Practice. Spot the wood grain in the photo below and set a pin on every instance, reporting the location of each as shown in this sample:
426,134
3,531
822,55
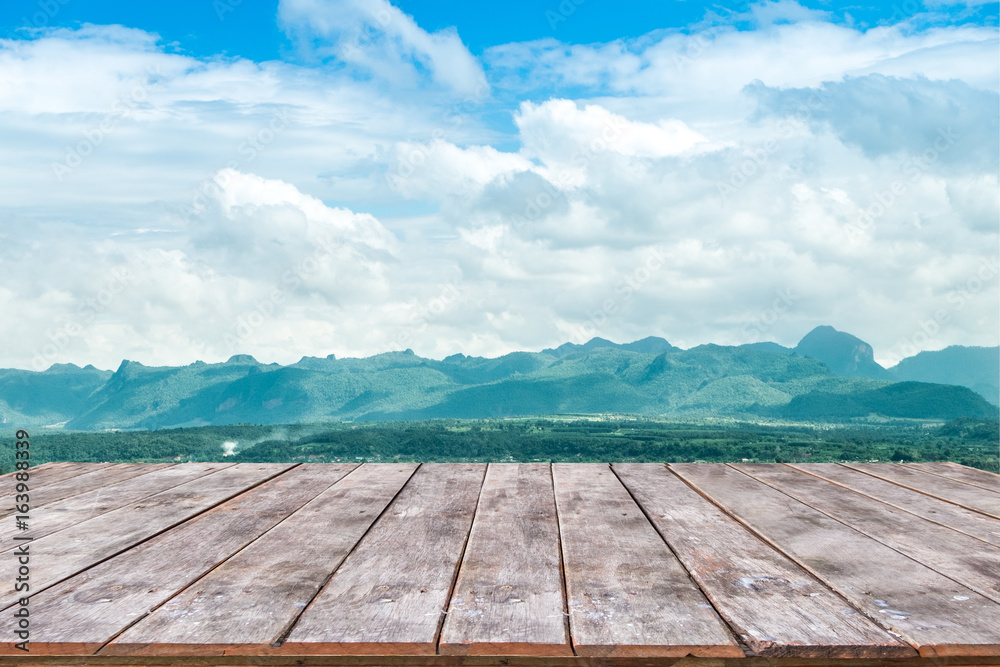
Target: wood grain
951,490
943,513
43,476
508,599
389,595
986,480
628,595
967,560
248,602
79,484
85,506
63,554
929,610
41,467
231,559
779,609
84,612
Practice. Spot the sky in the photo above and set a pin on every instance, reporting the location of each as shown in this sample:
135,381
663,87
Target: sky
192,180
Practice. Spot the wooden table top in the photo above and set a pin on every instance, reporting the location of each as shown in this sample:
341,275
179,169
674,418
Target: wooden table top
509,563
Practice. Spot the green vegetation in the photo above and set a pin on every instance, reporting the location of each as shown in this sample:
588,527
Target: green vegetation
907,400
972,442
973,367
648,377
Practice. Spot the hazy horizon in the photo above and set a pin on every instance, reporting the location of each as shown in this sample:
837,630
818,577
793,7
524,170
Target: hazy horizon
298,358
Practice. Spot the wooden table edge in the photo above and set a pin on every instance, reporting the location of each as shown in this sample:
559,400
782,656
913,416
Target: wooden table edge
519,649
658,651
899,651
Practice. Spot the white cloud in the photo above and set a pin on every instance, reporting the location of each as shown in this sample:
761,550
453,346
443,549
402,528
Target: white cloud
559,132
379,37
705,70
439,169
770,12
229,174
881,115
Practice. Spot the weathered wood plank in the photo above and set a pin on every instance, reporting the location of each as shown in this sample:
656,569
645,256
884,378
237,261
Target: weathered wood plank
247,603
40,468
389,595
946,514
56,471
63,554
58,516
628,594
84,612
929,610
482,661
779,609
508,599
969,561
953,491
98,479
41,477
986,480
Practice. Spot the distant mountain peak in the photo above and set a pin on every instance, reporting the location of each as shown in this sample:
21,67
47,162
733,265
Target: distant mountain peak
129,367
241,359
843,353
650,345
647,345
60,368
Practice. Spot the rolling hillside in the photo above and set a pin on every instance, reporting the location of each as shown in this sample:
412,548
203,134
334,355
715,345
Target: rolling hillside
977,368
837,380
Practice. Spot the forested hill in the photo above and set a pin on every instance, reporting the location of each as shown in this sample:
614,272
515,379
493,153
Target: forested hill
830,376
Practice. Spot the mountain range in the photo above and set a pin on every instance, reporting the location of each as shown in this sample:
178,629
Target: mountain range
829,375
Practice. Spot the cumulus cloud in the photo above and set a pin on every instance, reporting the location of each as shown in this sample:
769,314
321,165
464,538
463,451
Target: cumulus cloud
688,182
704,69
558,131
883,115
378,37
440,169
258,261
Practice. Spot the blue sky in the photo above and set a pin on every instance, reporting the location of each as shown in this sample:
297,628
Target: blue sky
212,177
248,28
